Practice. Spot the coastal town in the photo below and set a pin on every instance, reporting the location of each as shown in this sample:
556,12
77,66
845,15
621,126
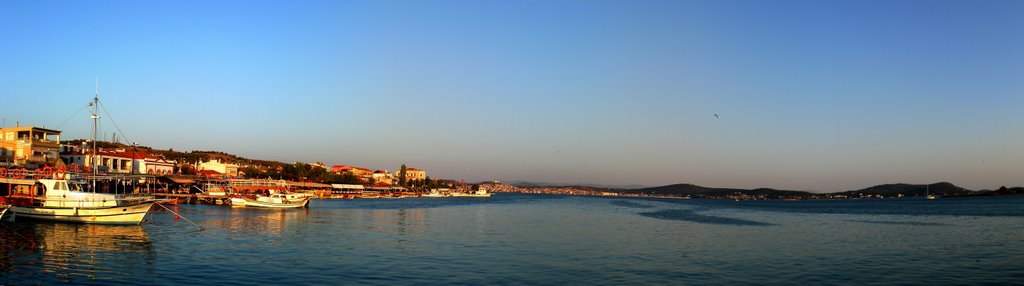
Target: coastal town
108,182
34,160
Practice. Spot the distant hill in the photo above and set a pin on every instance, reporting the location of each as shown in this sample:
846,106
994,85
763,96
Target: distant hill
1002,191
944,189
699,192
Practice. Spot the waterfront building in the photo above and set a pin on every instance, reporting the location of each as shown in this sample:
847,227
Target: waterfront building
412,174
29,145
120,161
362,173
382,177
221,167
149,164
109,162
347,191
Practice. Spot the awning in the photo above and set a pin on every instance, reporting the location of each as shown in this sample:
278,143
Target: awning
347,186
308,185
178,180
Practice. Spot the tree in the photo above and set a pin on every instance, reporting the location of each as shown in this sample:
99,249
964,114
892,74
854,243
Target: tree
401,176
252,172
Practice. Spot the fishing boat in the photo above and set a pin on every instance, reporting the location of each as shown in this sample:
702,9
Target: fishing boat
65,201
274,201
51,195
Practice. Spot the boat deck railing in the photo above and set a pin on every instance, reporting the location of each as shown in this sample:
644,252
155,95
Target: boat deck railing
87,202
256,183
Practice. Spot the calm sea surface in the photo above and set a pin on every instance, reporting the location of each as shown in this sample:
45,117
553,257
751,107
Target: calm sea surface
537,239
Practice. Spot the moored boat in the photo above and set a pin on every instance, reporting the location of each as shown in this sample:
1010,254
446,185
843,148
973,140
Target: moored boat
480,193
65,201
274,201
49,195
167,201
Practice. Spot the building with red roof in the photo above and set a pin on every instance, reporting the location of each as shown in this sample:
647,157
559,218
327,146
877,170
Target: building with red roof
120,161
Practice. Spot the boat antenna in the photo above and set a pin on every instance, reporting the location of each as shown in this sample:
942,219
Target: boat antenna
95,120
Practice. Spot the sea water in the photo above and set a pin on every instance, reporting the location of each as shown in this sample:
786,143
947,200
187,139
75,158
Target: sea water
536,239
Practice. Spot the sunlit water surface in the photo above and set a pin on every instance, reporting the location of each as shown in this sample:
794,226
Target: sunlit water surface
537,239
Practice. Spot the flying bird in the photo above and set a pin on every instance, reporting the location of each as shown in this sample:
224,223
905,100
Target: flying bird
716,115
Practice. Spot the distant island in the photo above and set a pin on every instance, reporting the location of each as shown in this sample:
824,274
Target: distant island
942,189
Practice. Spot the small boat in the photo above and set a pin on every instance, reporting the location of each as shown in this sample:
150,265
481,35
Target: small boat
274,201
65,201
56,198
167,201
434,195
480,193
927,194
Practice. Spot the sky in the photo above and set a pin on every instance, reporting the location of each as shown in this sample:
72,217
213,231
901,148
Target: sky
810,95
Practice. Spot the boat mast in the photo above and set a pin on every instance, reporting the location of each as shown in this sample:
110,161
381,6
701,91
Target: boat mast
95,120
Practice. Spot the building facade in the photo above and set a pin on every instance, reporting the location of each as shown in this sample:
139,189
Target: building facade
221,167
29,145
121,162
382,177
412,174
362,173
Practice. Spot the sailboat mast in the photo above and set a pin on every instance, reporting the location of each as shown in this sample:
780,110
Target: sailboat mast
95,120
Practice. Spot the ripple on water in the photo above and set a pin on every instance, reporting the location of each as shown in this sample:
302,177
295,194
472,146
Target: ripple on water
691,216
629,204
911,223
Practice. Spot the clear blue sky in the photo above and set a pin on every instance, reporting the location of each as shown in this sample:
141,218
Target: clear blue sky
812,95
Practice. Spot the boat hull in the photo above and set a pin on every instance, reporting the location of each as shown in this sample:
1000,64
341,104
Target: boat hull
487,195
250,203
118,215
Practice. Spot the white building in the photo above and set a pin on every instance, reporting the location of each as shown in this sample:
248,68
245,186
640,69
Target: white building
223,168
122,162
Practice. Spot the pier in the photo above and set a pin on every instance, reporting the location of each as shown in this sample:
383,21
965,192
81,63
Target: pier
195,198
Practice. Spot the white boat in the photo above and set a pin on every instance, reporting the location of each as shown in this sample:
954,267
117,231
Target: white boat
58,199
480,193
435,193
927,193
274,201
65,201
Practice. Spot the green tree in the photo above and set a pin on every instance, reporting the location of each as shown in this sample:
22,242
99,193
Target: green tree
401,177
252,172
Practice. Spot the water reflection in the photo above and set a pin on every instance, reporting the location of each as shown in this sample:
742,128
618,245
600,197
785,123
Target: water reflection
253,221
60,252
401,221
629,204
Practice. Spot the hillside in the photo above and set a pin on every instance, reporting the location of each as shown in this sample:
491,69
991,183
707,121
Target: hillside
706,192
944,189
